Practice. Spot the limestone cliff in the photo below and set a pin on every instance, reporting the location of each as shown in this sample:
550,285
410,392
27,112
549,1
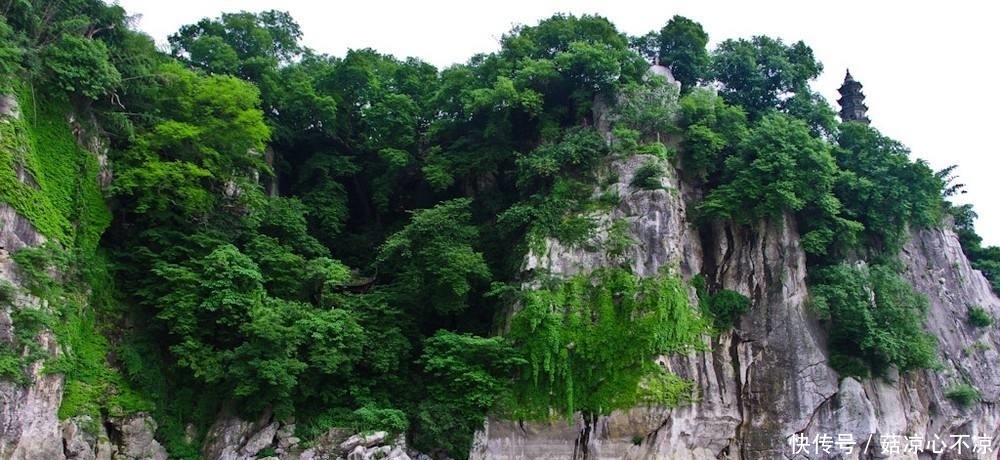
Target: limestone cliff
766,383
30,426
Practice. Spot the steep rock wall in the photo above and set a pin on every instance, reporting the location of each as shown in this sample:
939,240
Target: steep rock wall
30,427
766,383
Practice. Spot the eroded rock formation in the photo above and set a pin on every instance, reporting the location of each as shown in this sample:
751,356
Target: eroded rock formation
766,384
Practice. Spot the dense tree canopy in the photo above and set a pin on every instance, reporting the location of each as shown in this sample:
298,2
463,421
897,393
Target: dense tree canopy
244,44
342,238
683,48
763,73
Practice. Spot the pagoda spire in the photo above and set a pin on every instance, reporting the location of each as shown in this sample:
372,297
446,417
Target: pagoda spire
852,101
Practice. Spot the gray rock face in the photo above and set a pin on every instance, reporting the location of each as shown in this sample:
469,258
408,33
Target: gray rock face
766,384
232,438
135,438
16,232
9,107
29,423
79,443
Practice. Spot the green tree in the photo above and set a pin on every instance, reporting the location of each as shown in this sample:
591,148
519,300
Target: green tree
469,376
712,130
762,73
433,261
245,44
80,65
780,167
647,46
882,189
875,319
683,48
10,54
589,57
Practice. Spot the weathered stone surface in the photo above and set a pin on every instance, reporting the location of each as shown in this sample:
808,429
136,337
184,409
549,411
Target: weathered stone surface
358,453
29,426
135,438
226,437
260,440
786,377
369,440
9,107
16,232
398,453
657,222
86,439
768,380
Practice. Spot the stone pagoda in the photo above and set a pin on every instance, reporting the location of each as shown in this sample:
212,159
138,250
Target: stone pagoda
852,101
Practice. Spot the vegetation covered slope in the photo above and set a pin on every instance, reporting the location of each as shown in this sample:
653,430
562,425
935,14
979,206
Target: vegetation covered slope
336,238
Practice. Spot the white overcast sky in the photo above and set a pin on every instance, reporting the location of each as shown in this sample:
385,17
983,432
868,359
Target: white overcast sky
929,69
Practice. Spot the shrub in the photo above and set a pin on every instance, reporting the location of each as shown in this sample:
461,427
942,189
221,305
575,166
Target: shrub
627,140
656,149
874,317
727,306
619,238
648,176
12,365
978,317
79,65
588,341
8,292
369,418
963,394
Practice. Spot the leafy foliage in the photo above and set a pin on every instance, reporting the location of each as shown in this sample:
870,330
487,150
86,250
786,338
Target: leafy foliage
779,167
712,129
433,258
294,231
469,375
874,318
650,108
725,306
10,54
589,340
682,48
80,65
245,44
882,189
963,394
978,317
648,176
759,74
984,259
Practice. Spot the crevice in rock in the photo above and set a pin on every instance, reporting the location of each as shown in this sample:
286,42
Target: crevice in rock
734,357
656,431
709,266
581,450
819,407
114,434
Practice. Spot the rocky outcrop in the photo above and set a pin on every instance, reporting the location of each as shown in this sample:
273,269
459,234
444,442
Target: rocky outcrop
9,106
232,438
117,438
29,422
766,390
30,428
